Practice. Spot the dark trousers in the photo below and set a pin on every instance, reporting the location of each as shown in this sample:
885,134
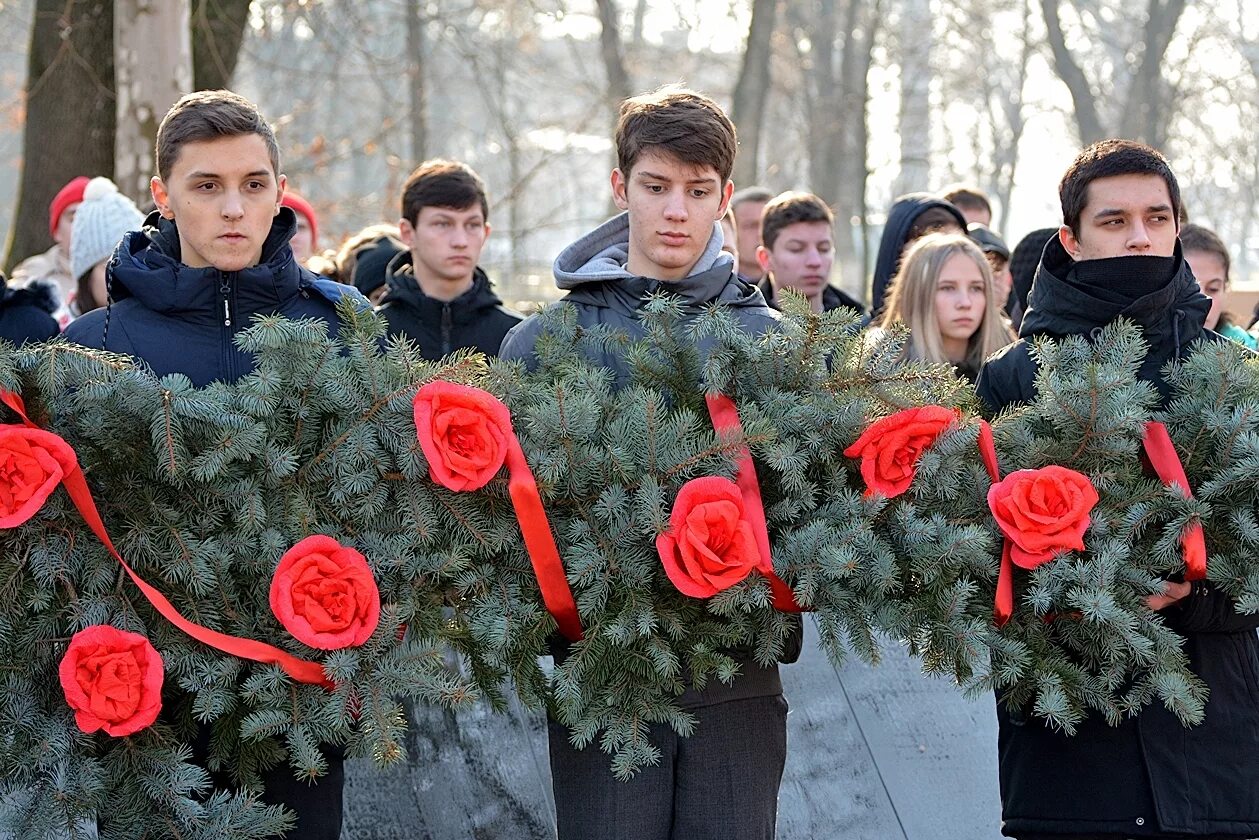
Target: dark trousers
719,784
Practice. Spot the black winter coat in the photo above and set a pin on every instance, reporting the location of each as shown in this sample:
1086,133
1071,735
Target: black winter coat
179,319
476,319
26,312
900,221
1149,776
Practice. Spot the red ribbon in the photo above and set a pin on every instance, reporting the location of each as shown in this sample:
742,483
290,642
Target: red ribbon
76,486
1003,606
725,417
1167,466
540,543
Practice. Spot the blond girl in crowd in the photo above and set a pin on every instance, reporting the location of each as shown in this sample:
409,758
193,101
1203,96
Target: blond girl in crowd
944,293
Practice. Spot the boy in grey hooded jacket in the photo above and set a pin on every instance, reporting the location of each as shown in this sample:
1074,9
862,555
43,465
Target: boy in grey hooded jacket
675,152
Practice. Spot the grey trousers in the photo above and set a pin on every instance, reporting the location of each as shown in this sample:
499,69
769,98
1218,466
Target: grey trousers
720,784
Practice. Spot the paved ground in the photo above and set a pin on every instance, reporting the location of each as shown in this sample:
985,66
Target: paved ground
874,754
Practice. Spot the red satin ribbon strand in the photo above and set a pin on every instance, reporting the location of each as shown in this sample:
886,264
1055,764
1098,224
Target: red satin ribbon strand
76,486
1003,606
540,543
1166,462
725,417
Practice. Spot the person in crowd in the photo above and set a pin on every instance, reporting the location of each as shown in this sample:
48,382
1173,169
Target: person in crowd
305,242
945,295
439,296
910,217
998,254
1209,261
972,202
675,152
1117,254
26,312
214,254
798,251
54,264
103,218
1023,262
747,205
730,235
363,260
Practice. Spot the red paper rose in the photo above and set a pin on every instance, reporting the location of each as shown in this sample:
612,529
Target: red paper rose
325,595
709,545
32,464
889,449
1044,512
464,433
112,679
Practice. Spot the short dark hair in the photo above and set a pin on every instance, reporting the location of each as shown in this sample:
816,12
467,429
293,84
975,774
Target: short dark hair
788,209
208,115
680,122
759,195
968,198
1106,159
443,183
1197,238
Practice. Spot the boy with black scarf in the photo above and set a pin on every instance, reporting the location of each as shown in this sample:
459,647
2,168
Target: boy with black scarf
1117,254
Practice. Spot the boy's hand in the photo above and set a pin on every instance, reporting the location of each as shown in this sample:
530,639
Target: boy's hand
1172,592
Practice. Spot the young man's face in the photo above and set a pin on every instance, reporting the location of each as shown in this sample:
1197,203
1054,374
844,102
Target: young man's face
672,206
445,244
748,217
65,224
1125,215
303,242
223,195
801,258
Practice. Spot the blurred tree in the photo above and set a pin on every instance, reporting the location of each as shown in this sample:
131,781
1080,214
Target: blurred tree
751,89
69,112
218,27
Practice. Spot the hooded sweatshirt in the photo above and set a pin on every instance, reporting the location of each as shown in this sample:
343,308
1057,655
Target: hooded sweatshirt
476,319
900,220
1149,776
179,319
604,292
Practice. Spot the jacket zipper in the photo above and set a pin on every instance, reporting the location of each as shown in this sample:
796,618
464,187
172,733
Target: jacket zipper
446,328
225,293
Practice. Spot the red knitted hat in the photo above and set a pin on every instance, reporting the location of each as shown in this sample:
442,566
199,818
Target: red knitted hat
301,205
71,193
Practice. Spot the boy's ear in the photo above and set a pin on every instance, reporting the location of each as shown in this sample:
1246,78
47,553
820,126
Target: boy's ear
1072,245
161,197
762,258
281,184
619,185
726,192
406,232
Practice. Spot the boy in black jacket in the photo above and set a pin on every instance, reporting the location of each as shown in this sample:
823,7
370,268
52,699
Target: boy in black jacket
438,296
675,153
1117,254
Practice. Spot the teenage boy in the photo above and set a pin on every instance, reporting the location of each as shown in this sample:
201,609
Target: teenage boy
798,251
675,150
1116,254
438,296
972,201
214,254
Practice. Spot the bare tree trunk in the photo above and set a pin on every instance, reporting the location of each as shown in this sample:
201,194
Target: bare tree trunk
417,55
859,158
613,56
916,40
1011,103
751,89
1144,114
69,111
152,69
1087,119
218,28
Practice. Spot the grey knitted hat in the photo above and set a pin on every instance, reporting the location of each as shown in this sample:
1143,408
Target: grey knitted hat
99,224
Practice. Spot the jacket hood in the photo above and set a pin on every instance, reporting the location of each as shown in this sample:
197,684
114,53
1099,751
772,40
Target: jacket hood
404,290
147,265
1072,298
900,219
593,270
41,293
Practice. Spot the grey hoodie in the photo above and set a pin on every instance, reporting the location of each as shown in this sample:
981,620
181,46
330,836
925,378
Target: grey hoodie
592,269
593,272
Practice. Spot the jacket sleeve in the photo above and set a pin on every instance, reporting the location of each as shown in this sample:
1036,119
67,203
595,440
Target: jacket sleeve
1207,609
518,343
1008,377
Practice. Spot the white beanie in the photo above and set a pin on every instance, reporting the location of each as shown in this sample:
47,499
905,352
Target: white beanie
99,224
